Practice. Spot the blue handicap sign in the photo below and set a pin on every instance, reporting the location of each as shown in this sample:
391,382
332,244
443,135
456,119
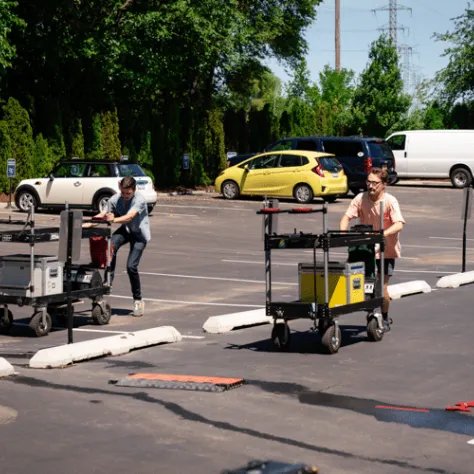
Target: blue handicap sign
185,161
11,168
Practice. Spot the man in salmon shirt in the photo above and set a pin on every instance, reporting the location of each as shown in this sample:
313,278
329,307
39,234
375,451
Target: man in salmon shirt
366,207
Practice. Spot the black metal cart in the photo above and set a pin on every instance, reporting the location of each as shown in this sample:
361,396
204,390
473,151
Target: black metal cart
324,317
91,286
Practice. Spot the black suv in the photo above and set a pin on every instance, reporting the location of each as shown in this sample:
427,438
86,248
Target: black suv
357,155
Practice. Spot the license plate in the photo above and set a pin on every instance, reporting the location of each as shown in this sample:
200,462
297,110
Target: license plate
141,187
369,288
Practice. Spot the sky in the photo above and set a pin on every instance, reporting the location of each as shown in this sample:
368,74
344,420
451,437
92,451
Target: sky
359,27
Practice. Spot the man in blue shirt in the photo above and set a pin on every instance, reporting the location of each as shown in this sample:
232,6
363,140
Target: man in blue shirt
129,209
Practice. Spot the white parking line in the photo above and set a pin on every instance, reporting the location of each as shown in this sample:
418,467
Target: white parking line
193,337
207,208
213,278
78,329
451,238
200,303
174,214
247,262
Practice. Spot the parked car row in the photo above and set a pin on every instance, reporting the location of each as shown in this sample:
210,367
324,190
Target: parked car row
354,157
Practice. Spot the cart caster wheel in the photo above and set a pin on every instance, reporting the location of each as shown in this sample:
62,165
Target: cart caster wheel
281,336
6,323
99,316
332,339
374,333
40,328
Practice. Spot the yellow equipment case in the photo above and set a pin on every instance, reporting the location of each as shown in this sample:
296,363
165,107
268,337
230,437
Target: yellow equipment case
346,283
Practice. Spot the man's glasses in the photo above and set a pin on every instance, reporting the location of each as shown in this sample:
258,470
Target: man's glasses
373,183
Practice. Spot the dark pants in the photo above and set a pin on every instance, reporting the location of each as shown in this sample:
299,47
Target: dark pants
389,266
137,247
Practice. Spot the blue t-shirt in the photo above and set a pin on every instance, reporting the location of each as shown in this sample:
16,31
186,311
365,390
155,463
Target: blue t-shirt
139,226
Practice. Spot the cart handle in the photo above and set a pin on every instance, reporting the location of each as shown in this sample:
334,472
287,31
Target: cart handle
270,210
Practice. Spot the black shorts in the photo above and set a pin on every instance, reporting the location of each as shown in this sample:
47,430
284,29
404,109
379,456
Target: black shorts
389,264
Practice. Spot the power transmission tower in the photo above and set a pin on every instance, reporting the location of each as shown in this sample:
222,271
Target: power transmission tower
393,8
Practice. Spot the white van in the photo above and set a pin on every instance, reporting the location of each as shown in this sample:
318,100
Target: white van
434,154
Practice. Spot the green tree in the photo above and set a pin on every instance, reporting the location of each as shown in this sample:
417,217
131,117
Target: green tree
8,20
110,135
5,154
77,138
379,101
43,157
21,138
457,77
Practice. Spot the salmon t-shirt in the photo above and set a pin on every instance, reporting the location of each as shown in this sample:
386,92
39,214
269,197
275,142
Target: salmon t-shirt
368,212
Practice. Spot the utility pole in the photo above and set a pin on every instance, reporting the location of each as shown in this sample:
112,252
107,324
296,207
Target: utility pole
338,35
393,26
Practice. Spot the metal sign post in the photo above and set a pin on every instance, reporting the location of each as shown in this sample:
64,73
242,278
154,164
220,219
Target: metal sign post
11,173
466,214
70,235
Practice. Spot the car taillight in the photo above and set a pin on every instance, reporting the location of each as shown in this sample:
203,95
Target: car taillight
318,170
367,165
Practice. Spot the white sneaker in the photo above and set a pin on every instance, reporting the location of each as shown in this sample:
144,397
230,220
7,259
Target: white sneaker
139,308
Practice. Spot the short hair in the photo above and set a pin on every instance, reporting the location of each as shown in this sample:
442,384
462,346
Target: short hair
380,173
128,183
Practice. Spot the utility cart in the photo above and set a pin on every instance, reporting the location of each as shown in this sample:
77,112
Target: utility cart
327,290
40,281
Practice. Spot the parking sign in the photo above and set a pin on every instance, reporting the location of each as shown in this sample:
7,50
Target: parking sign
11,168
185,161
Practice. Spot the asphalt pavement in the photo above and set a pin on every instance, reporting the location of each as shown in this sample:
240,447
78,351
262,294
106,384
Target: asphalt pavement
372,408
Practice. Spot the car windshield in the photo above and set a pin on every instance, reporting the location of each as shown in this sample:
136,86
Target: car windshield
329,163
380,150
130,169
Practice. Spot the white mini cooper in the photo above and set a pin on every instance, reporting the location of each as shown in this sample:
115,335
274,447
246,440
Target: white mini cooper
83,184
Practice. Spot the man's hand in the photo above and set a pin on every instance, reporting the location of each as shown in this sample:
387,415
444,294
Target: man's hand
109,217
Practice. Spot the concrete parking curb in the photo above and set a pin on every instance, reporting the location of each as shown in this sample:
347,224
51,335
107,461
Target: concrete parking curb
62,356
407,288
228,322
456,280
6,368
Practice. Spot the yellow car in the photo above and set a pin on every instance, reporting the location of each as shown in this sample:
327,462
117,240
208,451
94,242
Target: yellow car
297,174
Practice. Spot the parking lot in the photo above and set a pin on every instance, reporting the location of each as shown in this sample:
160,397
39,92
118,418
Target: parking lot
371,408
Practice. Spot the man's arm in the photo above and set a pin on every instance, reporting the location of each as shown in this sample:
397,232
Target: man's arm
122,219
344,224
393,229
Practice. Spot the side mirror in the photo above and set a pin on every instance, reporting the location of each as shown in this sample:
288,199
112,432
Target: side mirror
51,177
246,167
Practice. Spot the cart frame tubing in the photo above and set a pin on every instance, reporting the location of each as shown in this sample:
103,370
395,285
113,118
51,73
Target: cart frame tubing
40,303
323,310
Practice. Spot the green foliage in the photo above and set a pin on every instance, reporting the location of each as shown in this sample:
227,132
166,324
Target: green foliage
379,101
458,76
5,154
77,138
8,20
110,140
214,145
21,138
43,157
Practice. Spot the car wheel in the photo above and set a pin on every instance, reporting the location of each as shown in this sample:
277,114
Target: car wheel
303,193
102,201
461,177
26,200
230,190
